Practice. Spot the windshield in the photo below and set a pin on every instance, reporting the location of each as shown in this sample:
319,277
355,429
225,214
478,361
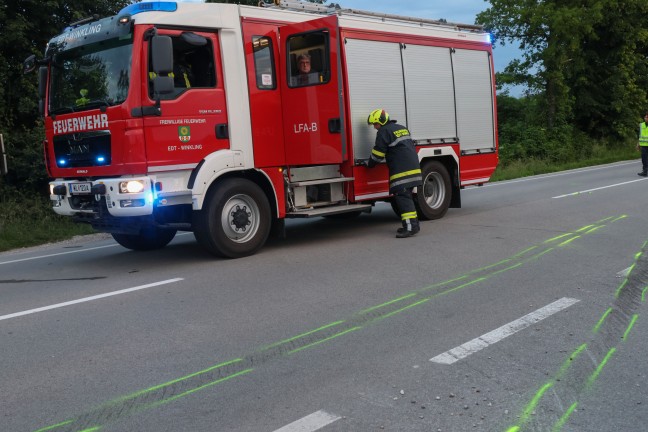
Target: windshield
90,76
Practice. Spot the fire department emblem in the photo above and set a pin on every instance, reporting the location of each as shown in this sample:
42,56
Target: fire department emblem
184,133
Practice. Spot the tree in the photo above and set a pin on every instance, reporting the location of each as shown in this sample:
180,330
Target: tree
26,26
585,59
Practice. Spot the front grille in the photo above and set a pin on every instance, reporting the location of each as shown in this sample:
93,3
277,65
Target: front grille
85,149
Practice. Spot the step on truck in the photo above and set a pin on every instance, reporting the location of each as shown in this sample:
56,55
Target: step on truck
177,116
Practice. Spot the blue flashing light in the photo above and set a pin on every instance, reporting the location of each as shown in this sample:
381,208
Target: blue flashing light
62,162
149,198
154,6
489,38
101,159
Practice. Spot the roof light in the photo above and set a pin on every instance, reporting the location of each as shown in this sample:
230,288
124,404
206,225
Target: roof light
159,6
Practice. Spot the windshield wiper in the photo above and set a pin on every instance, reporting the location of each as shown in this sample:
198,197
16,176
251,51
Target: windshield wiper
96,103
62,110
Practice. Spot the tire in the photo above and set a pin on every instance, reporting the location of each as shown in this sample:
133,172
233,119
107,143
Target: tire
433,197
235,219
149,238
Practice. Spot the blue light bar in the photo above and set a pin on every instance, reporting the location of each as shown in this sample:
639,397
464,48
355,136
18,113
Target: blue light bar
101,159
62,162
159,6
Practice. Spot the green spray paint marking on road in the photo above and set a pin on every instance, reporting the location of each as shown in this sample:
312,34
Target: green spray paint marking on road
546,251
600,367
632,323
55,426
592,230
371,309
557,238
561,423
625,307
600,322
618,291
92,429
137,402
202,387
525,251
175,381
586,227
526,414
390,314
566,242
572,357
531,406
324,340
308,333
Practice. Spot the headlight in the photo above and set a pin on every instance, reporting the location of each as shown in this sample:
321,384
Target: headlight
131,186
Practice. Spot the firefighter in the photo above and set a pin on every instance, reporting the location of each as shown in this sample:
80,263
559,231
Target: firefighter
643,146
394,144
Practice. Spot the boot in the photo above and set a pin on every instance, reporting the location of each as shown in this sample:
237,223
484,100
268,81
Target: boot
410,228
643,174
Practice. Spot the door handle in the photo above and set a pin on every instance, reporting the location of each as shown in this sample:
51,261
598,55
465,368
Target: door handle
222,131
335,125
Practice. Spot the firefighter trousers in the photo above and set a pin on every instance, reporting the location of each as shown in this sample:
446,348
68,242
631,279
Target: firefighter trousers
405,204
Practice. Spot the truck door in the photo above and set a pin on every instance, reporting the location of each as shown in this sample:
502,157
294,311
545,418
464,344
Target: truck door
311,92
192,120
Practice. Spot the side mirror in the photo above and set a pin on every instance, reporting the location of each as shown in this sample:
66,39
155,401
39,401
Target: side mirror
29,64
42,81
163,85
162,55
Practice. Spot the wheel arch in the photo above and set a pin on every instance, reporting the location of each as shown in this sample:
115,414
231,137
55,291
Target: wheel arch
450,162
260,178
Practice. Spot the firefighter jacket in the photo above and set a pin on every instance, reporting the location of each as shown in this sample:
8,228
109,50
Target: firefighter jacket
394,144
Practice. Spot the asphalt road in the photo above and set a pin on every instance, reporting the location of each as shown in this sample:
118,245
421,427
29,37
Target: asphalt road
523,310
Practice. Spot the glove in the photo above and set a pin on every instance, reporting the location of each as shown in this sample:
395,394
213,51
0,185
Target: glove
362,162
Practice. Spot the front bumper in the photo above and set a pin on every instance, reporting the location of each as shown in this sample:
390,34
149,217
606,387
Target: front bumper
74,197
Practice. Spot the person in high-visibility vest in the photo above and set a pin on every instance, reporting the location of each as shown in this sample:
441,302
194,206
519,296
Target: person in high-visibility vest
394,144
643,146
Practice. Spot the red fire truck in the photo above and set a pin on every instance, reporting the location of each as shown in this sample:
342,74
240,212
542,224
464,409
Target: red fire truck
194,117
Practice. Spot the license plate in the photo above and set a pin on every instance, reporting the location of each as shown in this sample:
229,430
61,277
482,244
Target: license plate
80,188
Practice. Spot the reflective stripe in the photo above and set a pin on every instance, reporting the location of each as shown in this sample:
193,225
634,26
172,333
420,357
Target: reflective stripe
378,153
398,140
405,174
410,215
405,181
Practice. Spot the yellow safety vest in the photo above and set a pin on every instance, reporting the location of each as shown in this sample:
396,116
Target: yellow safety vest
643,135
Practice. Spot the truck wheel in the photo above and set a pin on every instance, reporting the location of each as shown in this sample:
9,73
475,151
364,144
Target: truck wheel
235,219
148,239
433,197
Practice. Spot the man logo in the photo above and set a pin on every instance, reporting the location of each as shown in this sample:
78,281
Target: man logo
184,133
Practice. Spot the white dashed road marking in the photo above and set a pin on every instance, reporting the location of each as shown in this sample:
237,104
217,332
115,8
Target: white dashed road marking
498,334
310,423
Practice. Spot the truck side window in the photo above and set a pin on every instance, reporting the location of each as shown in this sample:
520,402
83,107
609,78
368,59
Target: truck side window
264,63
308,62
193,67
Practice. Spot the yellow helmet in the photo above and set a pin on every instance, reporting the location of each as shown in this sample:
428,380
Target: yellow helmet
379,116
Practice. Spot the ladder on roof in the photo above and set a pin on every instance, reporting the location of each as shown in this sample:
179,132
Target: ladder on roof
333,8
